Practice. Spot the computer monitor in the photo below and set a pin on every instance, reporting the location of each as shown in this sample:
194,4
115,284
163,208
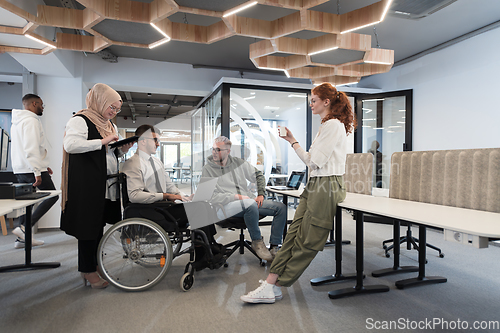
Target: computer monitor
4,149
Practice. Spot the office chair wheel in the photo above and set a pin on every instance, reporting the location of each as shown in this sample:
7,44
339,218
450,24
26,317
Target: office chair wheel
135,254
262,263
187,281
387,255
441,255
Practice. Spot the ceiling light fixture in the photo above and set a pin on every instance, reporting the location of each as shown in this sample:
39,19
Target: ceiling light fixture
158,43
345,84
377,62
240,9
373,100
40,41
325,50
361,27
297,95
386,10
277,69
247,98
160,31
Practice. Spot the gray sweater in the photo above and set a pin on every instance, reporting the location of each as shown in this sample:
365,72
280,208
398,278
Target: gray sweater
233,179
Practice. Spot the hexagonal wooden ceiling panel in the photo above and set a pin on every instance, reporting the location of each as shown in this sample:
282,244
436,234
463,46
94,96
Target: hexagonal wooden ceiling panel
293,37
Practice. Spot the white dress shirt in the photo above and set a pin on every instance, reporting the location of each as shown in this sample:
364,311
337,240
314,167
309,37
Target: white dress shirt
141,180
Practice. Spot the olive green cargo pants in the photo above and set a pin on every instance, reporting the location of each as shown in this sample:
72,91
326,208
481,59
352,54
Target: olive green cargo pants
310,228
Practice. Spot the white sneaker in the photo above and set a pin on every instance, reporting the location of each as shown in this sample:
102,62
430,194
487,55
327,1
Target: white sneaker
19,244
260,248
278,295
263,294
19,232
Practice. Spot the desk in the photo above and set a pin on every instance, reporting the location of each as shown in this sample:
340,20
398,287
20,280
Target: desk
4,211
486,224
179,170
14,205
274,176
338,276
285,194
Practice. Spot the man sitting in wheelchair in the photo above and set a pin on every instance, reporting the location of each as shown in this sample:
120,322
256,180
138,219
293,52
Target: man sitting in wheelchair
148,183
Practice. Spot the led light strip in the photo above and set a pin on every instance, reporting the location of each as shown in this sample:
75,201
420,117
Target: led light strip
240,9
345,84
276,69
40,41
326,50
386,9
160,31
377,62
158,43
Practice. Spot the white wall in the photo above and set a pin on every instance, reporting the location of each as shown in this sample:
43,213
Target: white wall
62,97
10,96
454,94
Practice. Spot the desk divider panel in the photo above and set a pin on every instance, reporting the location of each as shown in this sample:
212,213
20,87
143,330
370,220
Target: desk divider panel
358,176
466,178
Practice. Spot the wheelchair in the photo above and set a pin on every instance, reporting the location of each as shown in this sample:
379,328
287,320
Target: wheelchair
136,253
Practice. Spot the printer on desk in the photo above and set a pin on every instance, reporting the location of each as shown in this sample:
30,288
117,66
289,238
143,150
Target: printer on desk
10,190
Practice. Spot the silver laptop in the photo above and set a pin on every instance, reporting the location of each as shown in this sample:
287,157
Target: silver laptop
197,215
205,189
293,183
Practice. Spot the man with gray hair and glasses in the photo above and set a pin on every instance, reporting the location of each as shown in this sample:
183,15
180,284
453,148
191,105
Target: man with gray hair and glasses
233,193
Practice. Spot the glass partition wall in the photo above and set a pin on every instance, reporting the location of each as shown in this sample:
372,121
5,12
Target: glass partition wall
386,123
255,115
250,116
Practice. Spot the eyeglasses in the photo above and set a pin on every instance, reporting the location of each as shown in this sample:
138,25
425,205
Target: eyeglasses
115,109
155,139
218,150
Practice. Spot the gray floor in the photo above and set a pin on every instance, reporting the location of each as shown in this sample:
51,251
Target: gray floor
55,300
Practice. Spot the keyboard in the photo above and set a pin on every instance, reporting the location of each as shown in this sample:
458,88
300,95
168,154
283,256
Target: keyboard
32,196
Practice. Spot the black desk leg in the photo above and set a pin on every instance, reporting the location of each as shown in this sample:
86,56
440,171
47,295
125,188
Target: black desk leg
28,265
421,279
396,269
285,202
359,288
338,257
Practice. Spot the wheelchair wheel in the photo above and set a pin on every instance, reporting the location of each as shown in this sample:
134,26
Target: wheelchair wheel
135,254
187,281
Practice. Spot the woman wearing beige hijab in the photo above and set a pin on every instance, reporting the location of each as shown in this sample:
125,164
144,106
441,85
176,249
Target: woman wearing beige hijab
86,203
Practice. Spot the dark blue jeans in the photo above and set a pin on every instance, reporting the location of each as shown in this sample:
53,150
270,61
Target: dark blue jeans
45,205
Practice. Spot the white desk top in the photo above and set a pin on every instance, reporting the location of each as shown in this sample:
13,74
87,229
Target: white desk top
277,175
470,221
5,211
290,193
13,204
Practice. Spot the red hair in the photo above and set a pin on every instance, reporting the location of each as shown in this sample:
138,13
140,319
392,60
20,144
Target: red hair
340,108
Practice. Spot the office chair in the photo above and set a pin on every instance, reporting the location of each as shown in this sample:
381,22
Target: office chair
234,223
410,240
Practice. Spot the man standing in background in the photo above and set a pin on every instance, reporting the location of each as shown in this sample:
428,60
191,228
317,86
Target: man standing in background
29,159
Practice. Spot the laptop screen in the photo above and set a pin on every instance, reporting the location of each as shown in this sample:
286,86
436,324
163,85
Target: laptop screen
295,179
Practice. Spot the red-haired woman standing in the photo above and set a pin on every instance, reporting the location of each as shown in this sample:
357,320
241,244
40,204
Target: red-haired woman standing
314,216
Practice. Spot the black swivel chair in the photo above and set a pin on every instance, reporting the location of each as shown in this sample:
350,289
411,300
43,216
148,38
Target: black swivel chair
234,223
410,241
